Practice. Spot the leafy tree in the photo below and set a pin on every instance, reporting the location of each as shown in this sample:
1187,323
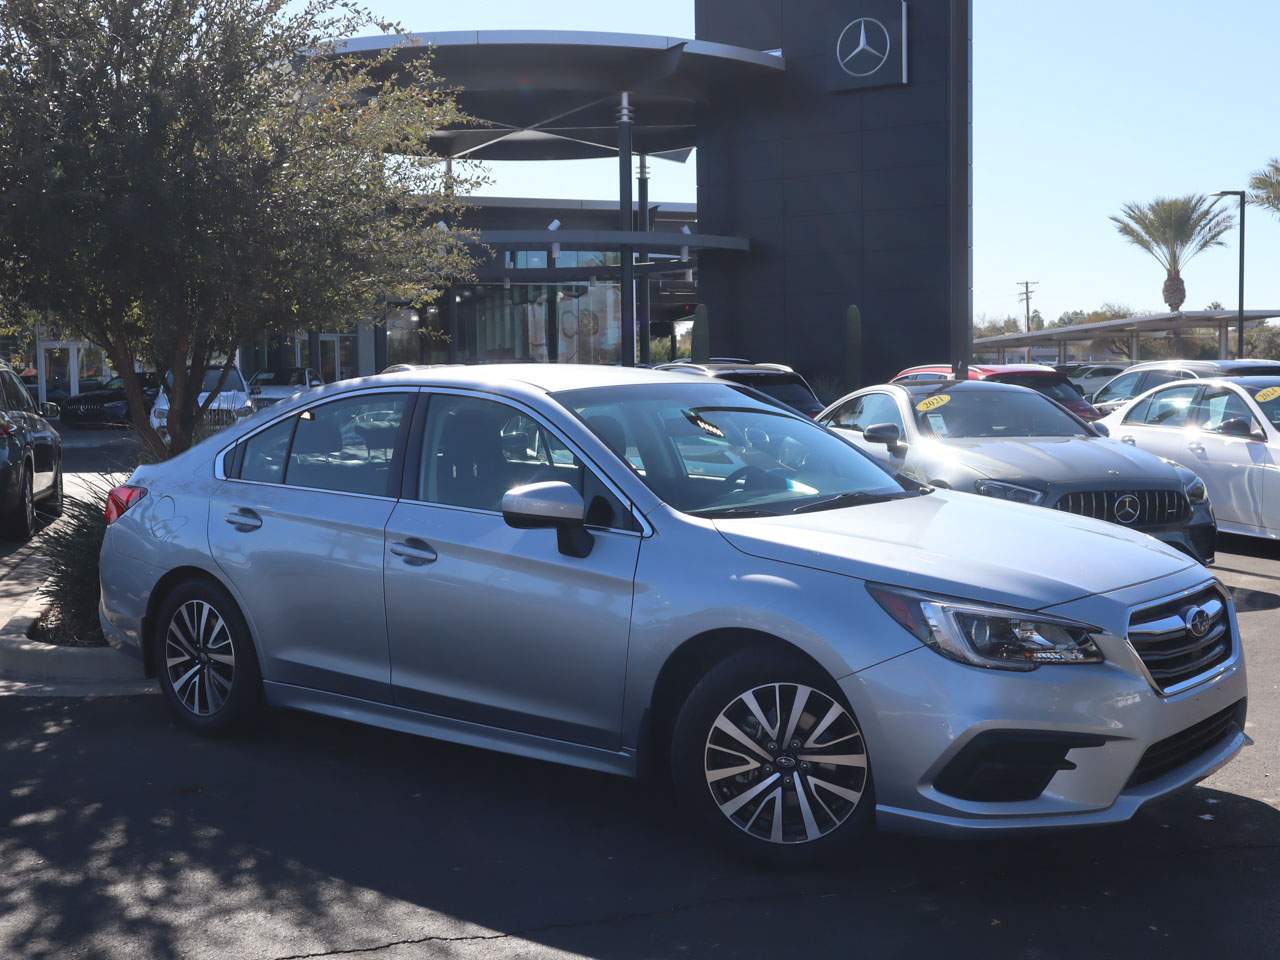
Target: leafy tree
1174,230
1264,187
1263,341
180,175
986,326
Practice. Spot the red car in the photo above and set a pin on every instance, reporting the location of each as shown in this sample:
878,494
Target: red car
1038,377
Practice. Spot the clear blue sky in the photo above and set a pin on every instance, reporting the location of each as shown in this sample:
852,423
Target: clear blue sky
1078,107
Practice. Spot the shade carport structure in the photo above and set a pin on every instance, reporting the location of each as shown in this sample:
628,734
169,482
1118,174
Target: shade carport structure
569,95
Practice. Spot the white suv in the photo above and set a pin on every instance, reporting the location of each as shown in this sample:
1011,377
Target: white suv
231,403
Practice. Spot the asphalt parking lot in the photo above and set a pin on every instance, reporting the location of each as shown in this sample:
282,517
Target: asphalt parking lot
124,837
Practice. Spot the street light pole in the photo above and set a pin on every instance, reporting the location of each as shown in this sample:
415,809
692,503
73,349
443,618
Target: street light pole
1240,309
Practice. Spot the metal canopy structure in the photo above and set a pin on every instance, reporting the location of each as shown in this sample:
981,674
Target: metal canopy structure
554,95
1130,327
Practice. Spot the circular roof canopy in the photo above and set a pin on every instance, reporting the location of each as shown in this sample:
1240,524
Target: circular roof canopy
553,95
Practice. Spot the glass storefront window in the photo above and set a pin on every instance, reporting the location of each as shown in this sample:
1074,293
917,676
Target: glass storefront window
566,323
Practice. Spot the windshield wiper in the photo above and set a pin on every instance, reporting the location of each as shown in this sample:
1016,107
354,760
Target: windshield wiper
722,512
851,499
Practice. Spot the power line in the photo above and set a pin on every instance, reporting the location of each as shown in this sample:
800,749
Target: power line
1025,297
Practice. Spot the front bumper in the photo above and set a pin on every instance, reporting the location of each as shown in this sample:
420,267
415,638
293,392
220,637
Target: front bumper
920,710
1197,538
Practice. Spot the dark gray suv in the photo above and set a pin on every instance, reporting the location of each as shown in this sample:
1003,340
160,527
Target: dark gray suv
30,459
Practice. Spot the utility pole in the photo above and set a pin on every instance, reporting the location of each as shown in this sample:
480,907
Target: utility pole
1026,295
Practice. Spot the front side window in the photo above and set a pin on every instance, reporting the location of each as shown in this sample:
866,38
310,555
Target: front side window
868,411
1220,405
957,413
475,450
15,394
1171,408
714,449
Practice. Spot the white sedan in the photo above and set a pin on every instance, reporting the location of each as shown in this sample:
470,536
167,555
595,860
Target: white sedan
1227,431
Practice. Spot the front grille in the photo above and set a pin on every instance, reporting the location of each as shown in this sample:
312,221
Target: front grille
1164,638
219,417
1172,752
1129,508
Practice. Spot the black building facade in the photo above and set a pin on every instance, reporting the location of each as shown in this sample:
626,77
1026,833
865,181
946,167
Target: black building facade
851,184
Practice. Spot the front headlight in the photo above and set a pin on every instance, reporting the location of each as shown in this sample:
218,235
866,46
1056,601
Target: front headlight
984,636
116,407
1196,492
1009,491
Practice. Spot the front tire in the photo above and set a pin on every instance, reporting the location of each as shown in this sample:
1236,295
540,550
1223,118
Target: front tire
205,659
769,756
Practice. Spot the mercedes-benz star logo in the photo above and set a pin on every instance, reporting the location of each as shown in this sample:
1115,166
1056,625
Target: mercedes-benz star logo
1197,621
863,47
1128,508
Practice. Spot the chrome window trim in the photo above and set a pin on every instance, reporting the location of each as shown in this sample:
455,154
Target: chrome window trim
1201,678
220,458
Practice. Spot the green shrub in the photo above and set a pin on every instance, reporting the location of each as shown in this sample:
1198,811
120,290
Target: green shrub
70,547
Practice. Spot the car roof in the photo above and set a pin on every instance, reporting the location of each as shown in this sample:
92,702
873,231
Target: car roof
1207,366
985,369
714,367
935,386
545,377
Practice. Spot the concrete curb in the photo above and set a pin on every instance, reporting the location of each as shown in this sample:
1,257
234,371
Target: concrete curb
27,660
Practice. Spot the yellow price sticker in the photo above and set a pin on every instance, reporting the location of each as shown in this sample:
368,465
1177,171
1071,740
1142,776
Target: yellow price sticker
933,403
1267,395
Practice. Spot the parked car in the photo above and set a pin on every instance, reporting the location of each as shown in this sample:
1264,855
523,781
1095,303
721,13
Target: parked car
1011,443
231,403
30,459
1042,379
1090,379
772,379
108,404
1227,429
1141,377
673,573
1069,369
267,387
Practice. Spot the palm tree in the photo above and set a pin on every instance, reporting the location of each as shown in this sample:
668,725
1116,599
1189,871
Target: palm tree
1173,230
1264,187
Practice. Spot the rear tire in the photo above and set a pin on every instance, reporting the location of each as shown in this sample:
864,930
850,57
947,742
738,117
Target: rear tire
52,505
766,795
205,659
20,524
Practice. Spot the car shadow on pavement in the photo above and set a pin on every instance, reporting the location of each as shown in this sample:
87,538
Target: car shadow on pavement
123,835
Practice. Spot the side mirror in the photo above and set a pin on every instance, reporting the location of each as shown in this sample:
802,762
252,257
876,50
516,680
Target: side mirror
552,505
885,433
1236,427
50,411
255,390
1100,428
1078,389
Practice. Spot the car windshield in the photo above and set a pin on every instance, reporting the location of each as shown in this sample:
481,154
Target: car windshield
212,376
1055,388
789,388
952,414
293,377
717,449
1267,397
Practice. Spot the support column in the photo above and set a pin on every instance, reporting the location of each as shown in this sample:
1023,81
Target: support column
313,348
627,222
643,306
1133,346
1223,348
450,307
1062,351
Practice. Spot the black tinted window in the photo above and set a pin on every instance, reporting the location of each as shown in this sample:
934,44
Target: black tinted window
15,394
349,446
265,453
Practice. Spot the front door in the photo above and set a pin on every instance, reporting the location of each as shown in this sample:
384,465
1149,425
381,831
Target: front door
495,625
1234,468
299,532
868,410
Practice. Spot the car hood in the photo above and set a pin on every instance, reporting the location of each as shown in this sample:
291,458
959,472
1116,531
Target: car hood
226,398
963,545
97,396
1060,461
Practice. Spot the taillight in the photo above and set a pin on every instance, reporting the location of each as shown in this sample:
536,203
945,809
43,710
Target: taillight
120,499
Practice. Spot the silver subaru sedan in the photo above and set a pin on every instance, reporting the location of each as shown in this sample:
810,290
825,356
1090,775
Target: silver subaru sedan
636,571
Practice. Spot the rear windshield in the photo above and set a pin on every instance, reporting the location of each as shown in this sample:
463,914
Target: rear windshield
785,387
1254,372
1055,387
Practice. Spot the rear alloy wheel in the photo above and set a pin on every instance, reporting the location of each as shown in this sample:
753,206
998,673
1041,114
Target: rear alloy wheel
779,763
205,659
52,505
21,523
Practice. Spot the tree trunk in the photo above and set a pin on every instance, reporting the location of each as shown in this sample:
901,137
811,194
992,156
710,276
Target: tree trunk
124,362
1175,291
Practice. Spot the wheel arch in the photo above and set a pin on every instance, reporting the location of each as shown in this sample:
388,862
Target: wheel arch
680,673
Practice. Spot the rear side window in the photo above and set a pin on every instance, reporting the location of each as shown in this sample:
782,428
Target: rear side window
265,453
15,394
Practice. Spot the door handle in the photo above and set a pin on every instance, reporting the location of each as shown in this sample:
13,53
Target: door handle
414,552
1196,447
1129,440
244,520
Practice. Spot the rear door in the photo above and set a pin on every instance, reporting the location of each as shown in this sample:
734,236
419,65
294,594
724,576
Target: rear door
298,529
36,430
1235,469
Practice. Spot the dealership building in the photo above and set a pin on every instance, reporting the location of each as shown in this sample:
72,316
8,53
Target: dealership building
832,144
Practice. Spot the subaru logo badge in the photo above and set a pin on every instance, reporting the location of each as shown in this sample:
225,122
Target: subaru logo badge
1197,621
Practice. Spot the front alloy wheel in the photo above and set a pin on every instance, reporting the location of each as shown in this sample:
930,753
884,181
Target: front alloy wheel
200,658
785,763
